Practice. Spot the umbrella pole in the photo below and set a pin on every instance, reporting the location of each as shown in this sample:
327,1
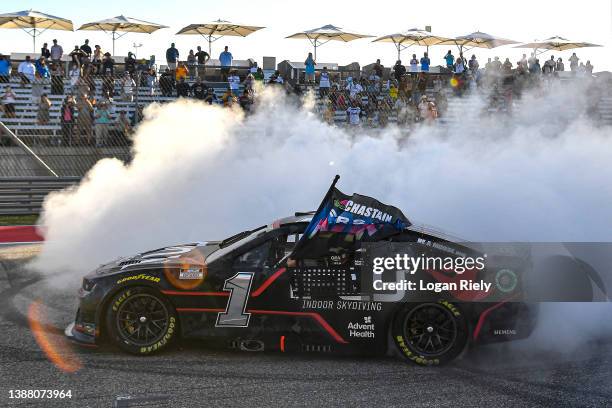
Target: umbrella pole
114,32
34,39
209,45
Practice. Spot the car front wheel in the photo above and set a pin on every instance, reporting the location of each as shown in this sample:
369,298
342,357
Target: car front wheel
141,321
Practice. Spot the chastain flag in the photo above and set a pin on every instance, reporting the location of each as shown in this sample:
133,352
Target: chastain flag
361,216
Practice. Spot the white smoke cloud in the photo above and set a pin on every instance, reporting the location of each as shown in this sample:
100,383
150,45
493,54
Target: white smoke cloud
202,172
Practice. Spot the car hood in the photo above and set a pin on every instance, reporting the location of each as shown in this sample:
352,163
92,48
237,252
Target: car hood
193,254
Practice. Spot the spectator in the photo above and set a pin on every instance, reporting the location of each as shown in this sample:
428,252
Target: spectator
573,62
8,102
44,105
353,114
414,64
459,67
74,74
172,55
399,70
151,80
211,97
549,66
56,52
108,85
473,64
5,69
67,119
129,63
581,69
166,83
228,98
507,67
198,89
378,69
309,69
86,49
524,63
559,67
97,58
42,70
57,79
102,124
324,82
588,67
249,82
425,63
496,65
192,65
76,55
246,100
108,65
182,88
203,58
233,81
85,117
421,85
127,87
225,59
124,125
181,71
354,88
44,52
450,60
276,78
27,70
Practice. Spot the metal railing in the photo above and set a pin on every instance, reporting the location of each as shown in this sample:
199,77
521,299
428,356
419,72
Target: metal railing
21,195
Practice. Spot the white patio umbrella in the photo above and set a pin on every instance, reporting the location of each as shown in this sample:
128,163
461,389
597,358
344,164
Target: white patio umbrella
555,43
34,22
122,24
478,39
322,35
414,36
214,30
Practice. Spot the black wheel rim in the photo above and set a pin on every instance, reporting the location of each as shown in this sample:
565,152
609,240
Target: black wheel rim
430,329
142,319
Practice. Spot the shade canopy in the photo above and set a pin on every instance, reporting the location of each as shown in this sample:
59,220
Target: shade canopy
414,36
478,39
122,24
34,22
214,30
326,33
556,43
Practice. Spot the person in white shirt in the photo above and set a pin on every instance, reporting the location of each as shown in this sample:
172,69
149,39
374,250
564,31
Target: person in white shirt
74,74
354,113
354,88
56,51
128,86
234,82
27,70
324,83
414,64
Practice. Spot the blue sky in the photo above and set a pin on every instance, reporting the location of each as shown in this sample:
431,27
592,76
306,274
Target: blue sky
521,20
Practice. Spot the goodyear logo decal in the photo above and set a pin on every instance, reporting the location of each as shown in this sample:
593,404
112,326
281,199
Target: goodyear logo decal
139,277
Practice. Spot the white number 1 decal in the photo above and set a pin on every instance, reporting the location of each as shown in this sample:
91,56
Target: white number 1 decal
235,314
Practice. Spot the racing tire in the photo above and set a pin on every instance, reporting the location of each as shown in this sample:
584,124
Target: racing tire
141,321
430,333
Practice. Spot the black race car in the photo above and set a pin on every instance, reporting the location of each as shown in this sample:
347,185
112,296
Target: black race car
246,293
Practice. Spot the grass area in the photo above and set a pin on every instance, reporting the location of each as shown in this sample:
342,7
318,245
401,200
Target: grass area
18,219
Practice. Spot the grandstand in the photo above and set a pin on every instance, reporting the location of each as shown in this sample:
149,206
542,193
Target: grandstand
45,140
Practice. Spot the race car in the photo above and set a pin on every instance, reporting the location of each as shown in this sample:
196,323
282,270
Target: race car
246,292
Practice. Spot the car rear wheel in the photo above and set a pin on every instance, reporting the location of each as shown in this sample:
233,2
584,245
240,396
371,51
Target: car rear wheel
141,321
430,333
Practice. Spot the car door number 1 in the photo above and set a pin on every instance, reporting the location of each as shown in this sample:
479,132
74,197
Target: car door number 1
235,314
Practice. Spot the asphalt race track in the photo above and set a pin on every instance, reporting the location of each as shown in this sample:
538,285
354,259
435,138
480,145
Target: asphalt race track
190,375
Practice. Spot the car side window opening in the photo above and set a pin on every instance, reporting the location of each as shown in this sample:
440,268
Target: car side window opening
255,258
